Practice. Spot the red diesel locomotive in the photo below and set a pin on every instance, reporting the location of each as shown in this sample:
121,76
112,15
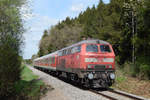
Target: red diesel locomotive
90,62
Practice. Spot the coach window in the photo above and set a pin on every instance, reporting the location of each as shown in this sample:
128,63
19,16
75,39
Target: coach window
53,60
44,61
69,50
47,60
76,49
79,48
50,60
73,50
60,53
64,51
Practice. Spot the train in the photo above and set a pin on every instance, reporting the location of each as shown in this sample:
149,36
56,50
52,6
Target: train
88,62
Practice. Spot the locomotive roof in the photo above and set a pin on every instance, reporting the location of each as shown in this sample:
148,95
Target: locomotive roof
92,41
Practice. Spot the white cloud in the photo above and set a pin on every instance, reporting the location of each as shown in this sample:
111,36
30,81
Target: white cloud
106,1
35,31
77,7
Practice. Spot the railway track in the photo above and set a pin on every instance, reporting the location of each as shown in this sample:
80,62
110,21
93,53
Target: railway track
117,95
105,95
112,94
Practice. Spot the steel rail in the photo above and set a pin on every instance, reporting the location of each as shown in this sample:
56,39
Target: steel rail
127,94
104,95
134,97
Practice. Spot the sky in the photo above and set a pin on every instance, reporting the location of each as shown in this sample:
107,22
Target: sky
39,15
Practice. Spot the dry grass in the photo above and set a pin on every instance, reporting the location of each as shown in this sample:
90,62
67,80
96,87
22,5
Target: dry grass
132,85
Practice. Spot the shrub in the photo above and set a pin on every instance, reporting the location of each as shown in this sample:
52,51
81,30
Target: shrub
11,30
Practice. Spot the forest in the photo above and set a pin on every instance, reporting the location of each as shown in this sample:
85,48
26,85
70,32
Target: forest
123,23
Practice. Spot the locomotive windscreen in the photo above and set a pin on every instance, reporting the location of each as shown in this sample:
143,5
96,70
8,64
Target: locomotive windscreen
105,48
92,48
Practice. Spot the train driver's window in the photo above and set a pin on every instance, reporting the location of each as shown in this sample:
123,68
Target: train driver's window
92,48
105,48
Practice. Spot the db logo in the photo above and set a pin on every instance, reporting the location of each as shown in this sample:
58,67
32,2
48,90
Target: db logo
100,60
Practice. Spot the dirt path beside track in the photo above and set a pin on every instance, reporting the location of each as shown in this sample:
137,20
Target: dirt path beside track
64,91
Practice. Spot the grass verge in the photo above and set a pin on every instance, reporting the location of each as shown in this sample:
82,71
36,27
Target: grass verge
29,87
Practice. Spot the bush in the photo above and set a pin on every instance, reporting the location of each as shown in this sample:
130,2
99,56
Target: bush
130,69
10,63
11,30
144,71
140,69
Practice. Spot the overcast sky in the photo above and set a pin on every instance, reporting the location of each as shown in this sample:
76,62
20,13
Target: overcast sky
42,14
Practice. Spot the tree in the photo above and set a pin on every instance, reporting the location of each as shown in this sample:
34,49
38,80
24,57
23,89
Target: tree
129,38
11,30
58,38
45,34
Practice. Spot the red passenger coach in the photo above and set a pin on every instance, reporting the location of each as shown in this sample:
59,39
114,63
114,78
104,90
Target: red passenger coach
46,62
90,62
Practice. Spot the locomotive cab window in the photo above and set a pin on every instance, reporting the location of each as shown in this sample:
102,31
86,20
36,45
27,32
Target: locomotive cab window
92,48
105,48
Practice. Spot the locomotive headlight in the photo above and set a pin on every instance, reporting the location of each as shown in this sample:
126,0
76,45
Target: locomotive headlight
91,60
112,76
89,66
90,76
108,60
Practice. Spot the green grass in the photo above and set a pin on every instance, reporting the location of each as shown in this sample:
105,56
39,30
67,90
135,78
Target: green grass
27,74
29,86
120,79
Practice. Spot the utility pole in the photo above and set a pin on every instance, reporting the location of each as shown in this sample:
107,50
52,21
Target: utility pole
130,6
133,34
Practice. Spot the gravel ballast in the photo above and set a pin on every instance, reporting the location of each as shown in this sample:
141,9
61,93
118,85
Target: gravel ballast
64,91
